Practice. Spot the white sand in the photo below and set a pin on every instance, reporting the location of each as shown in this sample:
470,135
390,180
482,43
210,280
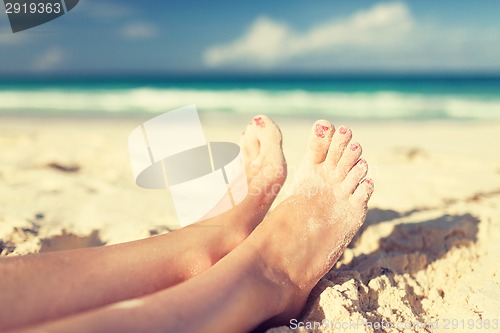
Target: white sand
428,250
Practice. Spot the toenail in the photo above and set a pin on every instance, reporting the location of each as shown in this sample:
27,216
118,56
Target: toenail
259,121
343,130
320,130
362,161
369,181
354,146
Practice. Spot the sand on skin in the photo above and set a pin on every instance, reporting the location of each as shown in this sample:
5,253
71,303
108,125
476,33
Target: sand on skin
427,251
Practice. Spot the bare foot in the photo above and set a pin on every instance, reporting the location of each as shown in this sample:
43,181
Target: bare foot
264,161
266,172
306,234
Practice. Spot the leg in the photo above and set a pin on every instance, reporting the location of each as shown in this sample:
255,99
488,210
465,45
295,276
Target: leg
232,296
72,281
270,275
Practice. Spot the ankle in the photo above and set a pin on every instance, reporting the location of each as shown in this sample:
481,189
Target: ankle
281,290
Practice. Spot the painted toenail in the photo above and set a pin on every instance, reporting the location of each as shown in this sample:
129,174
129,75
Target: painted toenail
369,181
354,146
343,130
362,161
259,122
320,130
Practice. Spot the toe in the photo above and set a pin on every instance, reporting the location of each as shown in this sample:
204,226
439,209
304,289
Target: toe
362,193
268,134
250,144
355,175
340,140
348,160
319,141
260,121
268,166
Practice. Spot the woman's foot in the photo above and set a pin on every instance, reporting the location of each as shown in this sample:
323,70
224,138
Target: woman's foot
306,234
266,172
265,164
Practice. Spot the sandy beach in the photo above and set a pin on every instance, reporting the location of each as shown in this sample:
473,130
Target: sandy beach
427,253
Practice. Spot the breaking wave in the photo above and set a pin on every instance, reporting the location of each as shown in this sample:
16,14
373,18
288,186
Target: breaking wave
375,105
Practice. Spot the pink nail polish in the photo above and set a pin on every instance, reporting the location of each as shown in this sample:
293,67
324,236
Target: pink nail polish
369,181
259,122
354,146
343,130
320,130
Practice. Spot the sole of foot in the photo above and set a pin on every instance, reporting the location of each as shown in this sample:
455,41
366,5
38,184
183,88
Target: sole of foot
266,171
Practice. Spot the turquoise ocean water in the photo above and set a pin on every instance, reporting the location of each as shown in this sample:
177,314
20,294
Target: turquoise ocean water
357,97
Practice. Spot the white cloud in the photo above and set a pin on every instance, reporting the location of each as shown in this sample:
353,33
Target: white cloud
50,59
139,30
384,36
269,42
7,37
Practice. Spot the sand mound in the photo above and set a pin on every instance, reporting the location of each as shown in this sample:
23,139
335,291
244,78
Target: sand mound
410,270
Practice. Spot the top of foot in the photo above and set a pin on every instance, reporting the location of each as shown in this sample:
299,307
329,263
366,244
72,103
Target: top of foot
306,234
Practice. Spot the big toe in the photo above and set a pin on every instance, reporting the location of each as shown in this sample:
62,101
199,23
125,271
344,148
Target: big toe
319,141
268,134
262,144
249,143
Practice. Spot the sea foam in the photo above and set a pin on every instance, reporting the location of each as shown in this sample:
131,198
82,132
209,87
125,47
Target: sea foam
376,105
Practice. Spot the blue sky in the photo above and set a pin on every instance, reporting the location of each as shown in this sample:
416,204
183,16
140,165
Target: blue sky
123,36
